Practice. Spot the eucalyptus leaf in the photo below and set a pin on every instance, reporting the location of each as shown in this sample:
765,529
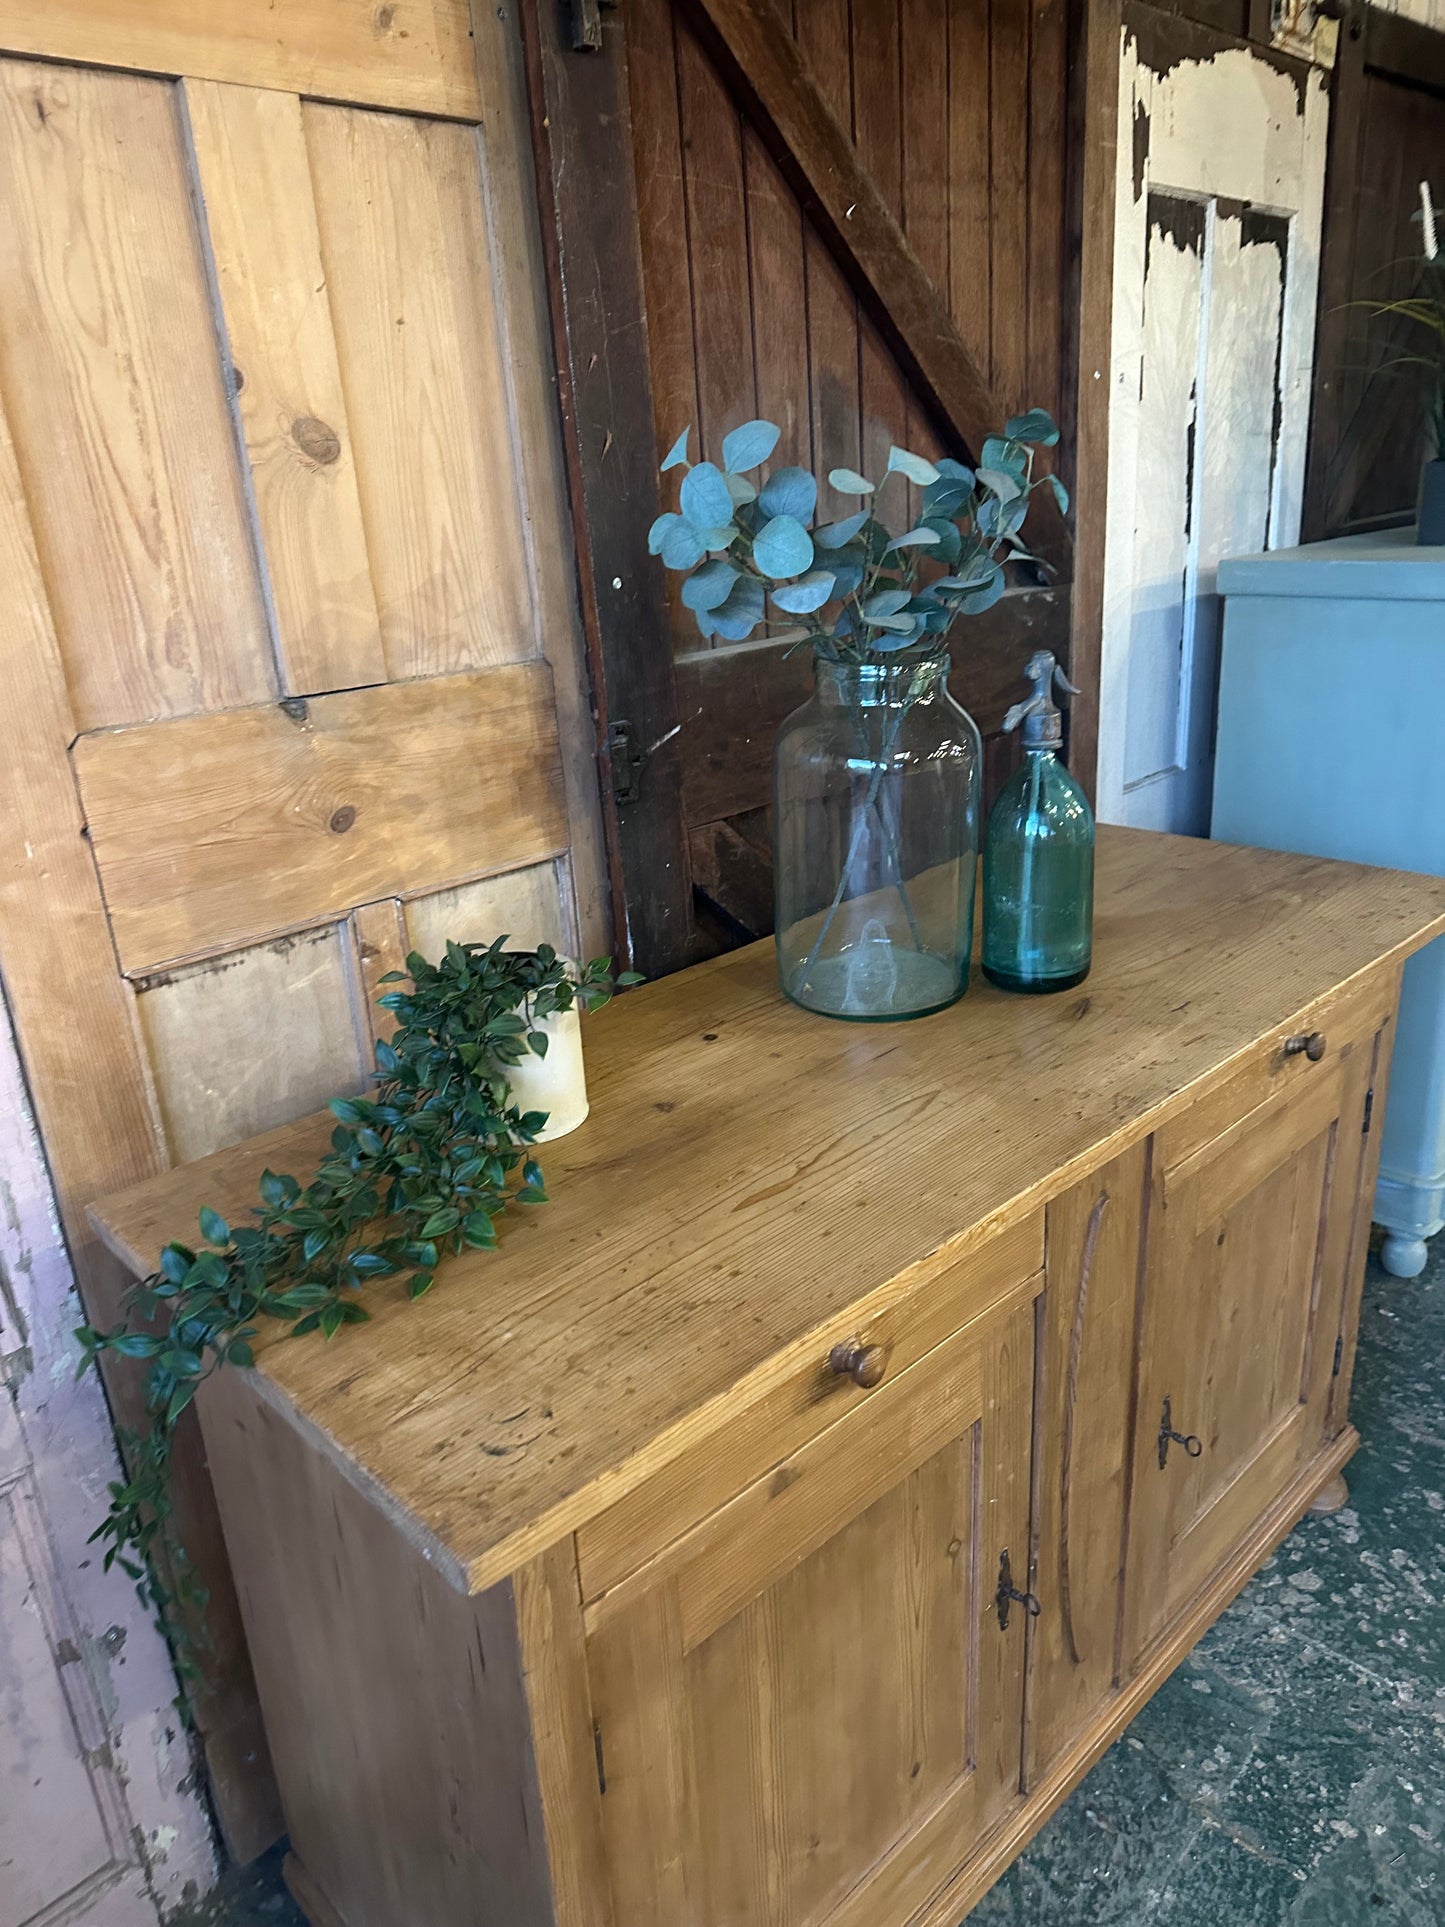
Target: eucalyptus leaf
741,490
1061,494
749,446
803,597
920,538
709,586
682,546
657,533
677,454
949,545
883,604
1000,453
902,461
847,481
704,497
1038,425
1000,483
736,618
789,491
833,535
783,547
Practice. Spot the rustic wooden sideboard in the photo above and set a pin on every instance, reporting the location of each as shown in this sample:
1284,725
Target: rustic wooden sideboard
782,1523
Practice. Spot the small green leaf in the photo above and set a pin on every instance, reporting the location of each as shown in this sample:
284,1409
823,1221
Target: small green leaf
1038,426
704,497
801,598
789,491
420,1281
902,462
709,586
783,548
749,446
677,454
1000,483
681,546
440,1222
537,1041
884,603
214,1228
919,538
1061,494
833,535
848,481
344,1110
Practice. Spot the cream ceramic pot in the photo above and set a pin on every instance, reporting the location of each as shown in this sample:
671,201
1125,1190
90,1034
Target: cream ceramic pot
556,1083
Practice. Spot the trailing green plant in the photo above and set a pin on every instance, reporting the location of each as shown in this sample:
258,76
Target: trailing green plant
421,1168
864,593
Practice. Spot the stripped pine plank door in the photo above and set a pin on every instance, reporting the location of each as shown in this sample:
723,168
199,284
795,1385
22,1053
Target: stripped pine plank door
290,635
807,252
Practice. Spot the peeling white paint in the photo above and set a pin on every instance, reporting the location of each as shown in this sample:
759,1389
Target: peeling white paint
97,1815
1217,236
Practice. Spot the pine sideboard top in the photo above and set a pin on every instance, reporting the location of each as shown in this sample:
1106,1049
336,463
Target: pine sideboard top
750,1172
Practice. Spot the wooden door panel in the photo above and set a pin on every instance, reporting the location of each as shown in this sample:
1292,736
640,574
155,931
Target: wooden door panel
851,1591
1251,1241
116,402
277,422
805,255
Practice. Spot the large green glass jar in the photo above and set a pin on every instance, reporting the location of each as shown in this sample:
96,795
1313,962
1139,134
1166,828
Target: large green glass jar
875,842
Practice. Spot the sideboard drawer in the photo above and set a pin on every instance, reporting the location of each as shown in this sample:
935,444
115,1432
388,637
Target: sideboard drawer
896,1326
1314,1050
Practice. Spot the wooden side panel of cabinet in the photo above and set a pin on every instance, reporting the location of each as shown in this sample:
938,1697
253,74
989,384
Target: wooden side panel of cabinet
1085,1385
812,1709
1251,1240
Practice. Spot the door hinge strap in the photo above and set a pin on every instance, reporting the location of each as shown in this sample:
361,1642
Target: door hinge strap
587,25
627,758
601,1769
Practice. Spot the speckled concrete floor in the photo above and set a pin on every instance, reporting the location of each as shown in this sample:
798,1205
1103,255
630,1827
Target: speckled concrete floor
1292,1772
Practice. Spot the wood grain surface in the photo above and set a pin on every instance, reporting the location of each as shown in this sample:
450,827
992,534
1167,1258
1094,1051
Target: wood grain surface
211,830
717,1219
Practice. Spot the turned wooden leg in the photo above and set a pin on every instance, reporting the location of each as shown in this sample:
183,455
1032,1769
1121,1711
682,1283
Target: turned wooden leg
1331,1497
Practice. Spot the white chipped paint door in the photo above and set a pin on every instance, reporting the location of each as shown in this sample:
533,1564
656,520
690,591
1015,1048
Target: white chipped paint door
1217,231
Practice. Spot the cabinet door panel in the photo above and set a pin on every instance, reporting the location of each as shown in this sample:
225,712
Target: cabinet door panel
1249,1244
789,1736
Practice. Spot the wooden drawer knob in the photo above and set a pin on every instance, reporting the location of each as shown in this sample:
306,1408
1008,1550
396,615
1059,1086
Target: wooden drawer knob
864,1364
1312,1046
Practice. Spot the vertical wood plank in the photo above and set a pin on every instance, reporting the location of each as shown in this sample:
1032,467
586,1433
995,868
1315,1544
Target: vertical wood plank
652,29
776,249
824,39
378,945
75,1022
718,246
1048,147
554,1670
254,182
1008,128
403,239
878,135
112,382
1096,145
923,33
531,356
968,176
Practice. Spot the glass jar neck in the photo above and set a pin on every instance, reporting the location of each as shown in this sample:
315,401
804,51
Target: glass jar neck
854,685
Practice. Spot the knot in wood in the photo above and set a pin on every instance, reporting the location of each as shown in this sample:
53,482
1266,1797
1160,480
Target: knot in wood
342,819
315,439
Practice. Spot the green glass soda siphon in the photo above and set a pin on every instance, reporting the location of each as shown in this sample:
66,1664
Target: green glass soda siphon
1038,858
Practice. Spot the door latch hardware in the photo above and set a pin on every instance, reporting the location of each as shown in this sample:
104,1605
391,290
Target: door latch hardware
627,756
601,1769
1008,1593
1369,1111
587,25
1339,1357
1191,1441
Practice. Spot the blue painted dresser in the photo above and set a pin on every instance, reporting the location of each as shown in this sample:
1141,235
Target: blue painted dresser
1332,742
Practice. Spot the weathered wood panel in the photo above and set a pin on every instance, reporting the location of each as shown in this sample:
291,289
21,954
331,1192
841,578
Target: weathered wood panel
409,275
210,830
412,54
254,181
113,387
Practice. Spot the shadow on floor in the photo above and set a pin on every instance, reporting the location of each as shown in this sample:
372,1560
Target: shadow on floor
1292,1772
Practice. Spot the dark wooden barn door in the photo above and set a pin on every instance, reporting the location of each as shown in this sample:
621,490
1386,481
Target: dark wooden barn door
847,216
1387,134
